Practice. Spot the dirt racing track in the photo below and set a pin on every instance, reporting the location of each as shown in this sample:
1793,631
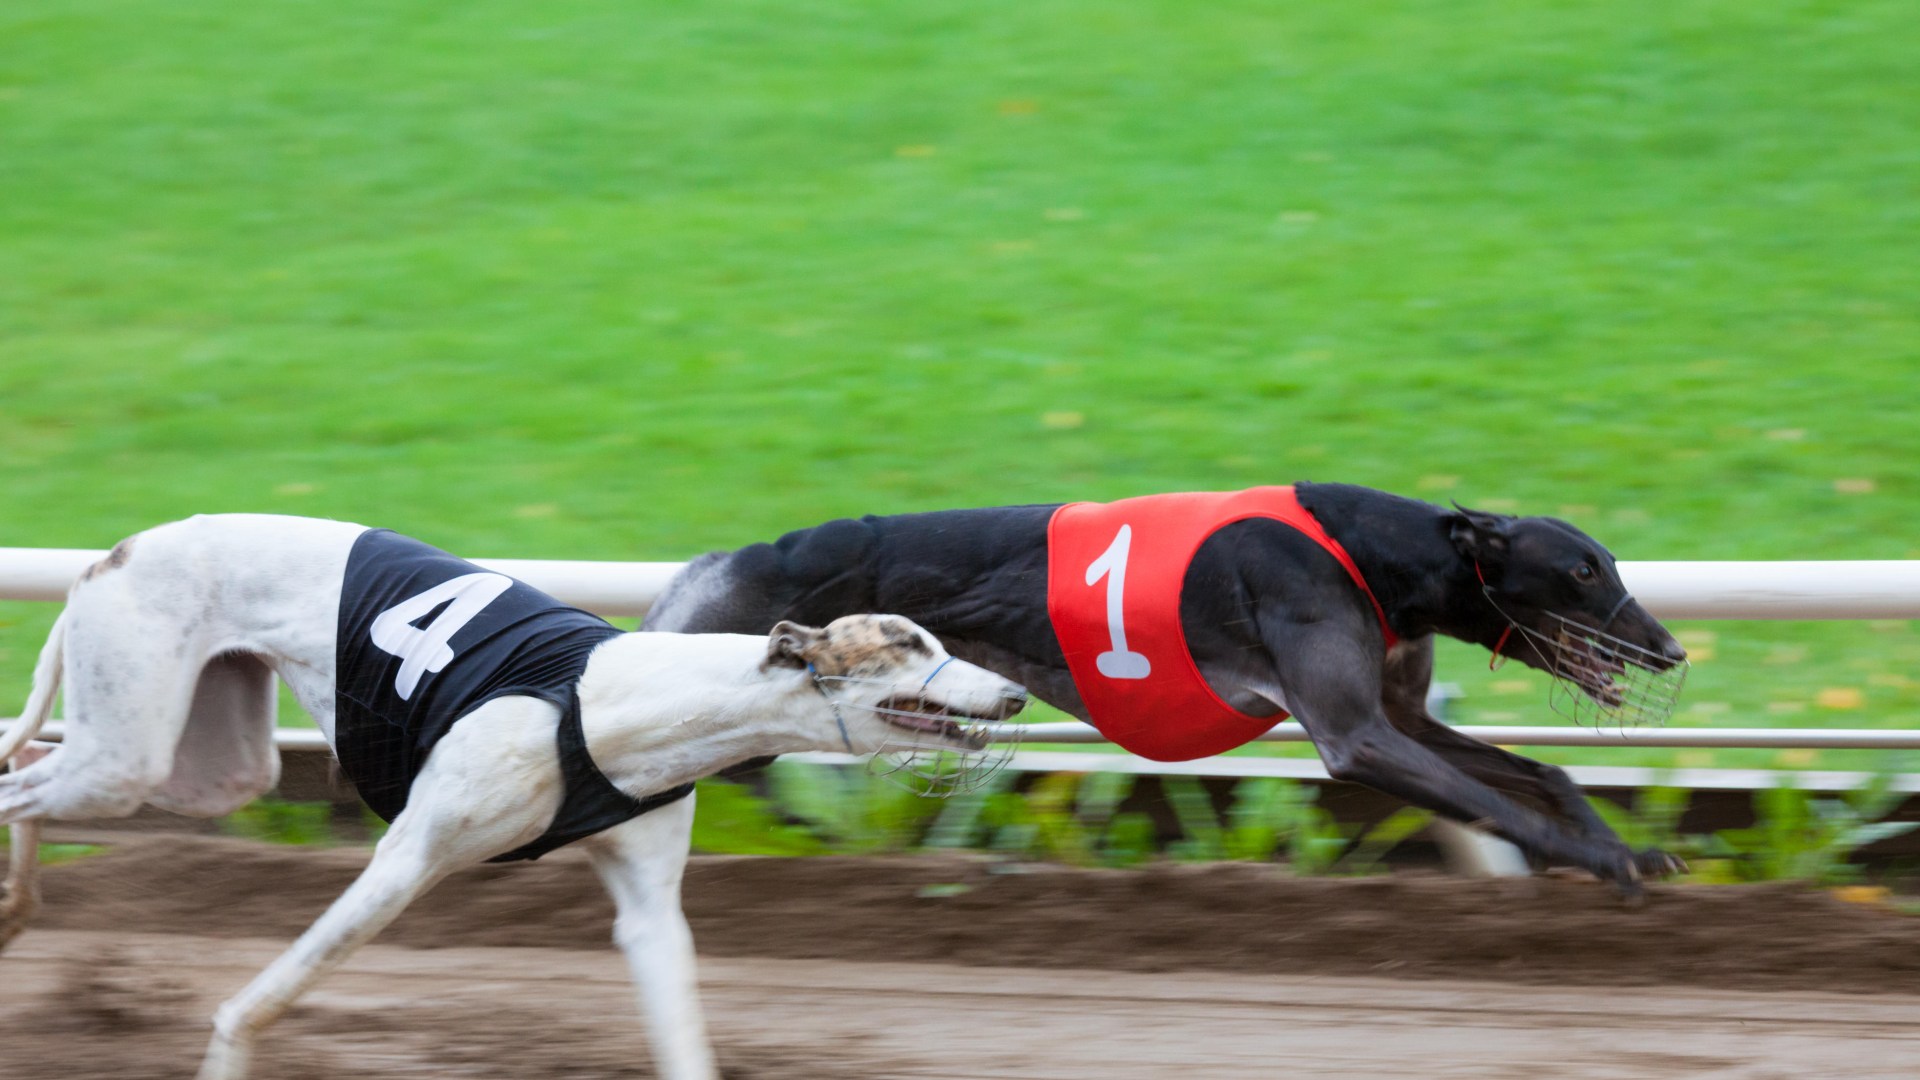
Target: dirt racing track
856,968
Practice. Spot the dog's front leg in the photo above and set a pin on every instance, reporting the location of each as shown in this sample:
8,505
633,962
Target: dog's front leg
479,794
1333,683
1409,670
641,863
1365,749
1406,676
403,867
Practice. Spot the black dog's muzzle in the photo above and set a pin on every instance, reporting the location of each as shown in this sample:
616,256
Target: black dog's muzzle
1597,678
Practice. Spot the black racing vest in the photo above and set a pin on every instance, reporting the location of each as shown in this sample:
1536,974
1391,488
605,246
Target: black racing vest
426,638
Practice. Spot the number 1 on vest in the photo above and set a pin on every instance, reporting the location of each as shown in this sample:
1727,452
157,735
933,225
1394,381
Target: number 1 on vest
1119,662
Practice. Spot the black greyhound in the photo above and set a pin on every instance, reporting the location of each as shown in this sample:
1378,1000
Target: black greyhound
1263,607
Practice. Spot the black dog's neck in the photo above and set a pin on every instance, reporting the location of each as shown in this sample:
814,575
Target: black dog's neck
1403,548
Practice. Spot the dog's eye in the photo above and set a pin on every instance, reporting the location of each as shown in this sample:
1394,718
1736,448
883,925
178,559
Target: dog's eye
1583,572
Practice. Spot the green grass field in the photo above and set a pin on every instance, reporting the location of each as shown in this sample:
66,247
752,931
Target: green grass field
612,280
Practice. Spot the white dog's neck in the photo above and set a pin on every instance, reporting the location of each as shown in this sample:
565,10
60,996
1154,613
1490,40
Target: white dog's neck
662,709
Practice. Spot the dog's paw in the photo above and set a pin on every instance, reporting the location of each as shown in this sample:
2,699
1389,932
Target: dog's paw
1630,870
1654,863
1613,864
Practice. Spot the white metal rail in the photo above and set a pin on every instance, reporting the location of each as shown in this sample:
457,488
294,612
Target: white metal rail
1074,733
310,741
1671,590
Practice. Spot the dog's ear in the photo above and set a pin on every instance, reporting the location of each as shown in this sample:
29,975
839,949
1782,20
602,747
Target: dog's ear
792,645
1478,535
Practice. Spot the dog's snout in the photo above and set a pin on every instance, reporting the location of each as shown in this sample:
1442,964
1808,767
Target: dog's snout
1673,650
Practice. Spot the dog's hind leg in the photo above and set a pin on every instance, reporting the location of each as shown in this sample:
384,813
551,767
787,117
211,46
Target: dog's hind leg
130,670
22,897
641,862
226,757
704,597
489,786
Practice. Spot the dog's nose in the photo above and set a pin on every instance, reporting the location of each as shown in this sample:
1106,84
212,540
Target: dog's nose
1673,650
1013,702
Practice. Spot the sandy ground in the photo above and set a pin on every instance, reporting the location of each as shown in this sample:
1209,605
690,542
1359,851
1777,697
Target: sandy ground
82,1005
139,946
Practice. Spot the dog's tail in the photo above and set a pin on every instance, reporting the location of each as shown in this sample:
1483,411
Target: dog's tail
46,687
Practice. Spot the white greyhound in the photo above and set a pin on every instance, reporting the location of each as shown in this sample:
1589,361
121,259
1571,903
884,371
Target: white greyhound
168,648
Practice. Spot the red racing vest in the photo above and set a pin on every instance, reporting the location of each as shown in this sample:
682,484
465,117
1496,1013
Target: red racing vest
1114,573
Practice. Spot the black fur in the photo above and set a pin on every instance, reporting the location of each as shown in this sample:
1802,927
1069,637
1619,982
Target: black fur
1269,615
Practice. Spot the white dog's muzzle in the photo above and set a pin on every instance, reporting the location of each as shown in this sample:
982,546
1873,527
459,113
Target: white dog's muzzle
930,749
